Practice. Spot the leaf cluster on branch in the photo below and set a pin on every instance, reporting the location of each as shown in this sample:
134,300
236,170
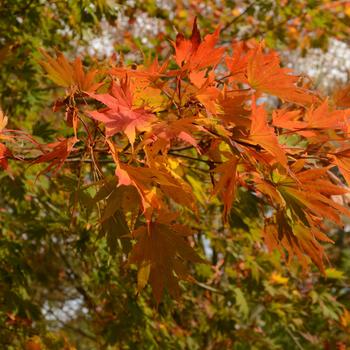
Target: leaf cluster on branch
231,113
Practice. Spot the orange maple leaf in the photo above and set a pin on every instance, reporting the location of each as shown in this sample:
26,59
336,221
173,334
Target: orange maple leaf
148,179
312,192
151,70
205,90
227,183
341,97
193,54
264,135
67,74
262,71
164,132
121,115
265,74
323,117
308,196
150,182
232,108
237,64
316,118
60,152
288,119
341,159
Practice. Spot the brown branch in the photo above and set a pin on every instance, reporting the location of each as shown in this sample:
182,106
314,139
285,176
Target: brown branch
74,329
235,19
192,158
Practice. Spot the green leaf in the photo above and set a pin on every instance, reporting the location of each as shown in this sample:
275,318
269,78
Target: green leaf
241,302
333,273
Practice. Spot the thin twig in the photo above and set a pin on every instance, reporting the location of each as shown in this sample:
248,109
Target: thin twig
238,17
296,341
192,158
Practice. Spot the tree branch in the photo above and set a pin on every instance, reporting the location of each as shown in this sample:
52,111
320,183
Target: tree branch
235,19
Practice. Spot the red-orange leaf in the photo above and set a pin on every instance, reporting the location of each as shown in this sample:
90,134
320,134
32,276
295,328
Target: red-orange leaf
5,153
121,115
60,152
264,74
195,55
264,135
232,108
341,97
342,160
164,132
288,119
227,183
151,70
323,117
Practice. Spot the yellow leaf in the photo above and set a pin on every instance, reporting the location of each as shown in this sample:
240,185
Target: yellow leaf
143,274
3,120
276,278
334,274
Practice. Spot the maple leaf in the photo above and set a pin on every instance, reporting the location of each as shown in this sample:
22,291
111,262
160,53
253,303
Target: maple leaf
206,91
163,133
71,75
341,97
315,118
297,239
147,180
121,115
232,109
288,119
227,184
150,97
308,198
303,201
122,204
150,70
264,74
194,54
264,135
237,64
322,117
150,181
185,48
3,121
310,192
160,253
268,189
143,180
277,278
58,155
5,153
341,159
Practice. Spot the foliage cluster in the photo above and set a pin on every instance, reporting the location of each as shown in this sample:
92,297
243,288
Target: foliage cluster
209,176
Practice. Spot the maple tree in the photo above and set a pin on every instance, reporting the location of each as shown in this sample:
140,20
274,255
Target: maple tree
216,143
